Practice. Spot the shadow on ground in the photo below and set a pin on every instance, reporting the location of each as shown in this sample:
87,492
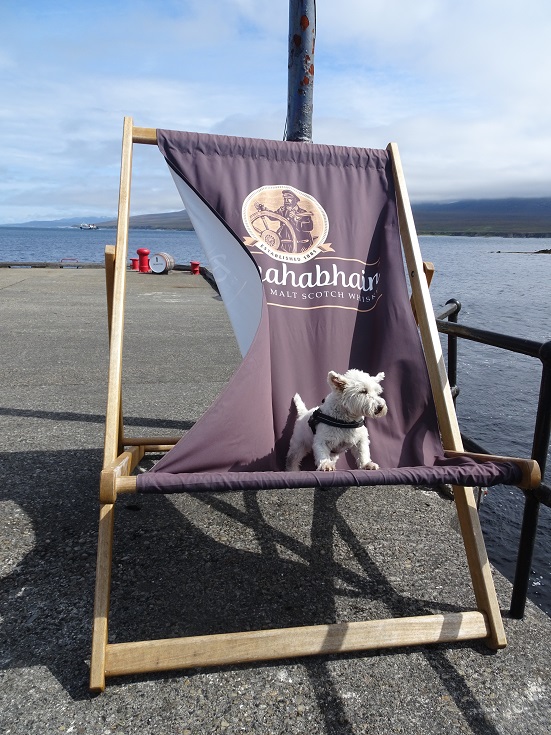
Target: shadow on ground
172,578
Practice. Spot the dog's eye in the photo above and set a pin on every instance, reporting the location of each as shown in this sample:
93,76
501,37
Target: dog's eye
364,391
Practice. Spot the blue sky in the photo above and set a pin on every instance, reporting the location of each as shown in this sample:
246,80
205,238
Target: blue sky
463,87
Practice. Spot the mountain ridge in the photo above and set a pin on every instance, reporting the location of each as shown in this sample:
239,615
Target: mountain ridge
515,217
507,217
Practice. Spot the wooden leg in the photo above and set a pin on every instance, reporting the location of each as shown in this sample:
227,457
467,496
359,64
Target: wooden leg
113,437
479,565
101,603
477,558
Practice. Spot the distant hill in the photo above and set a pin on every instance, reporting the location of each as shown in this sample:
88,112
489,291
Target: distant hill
486,217
483,217
65,222
163,221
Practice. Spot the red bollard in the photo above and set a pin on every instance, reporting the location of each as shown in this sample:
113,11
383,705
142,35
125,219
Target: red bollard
144,260
134,264
195,267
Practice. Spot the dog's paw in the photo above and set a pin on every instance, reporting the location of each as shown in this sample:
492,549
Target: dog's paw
326,465
370,466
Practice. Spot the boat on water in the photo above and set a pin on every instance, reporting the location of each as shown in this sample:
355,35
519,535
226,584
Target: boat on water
85,226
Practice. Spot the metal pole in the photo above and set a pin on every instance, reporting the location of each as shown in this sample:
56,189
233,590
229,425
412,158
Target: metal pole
300,91
540,447
452,350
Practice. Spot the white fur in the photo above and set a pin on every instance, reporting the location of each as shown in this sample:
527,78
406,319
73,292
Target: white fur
354,395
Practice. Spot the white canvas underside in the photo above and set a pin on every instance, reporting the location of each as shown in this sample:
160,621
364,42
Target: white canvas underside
240,286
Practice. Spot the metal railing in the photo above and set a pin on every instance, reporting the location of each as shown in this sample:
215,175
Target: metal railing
542,431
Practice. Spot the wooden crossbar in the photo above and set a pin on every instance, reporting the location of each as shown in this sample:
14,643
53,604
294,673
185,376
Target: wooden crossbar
266,645
149,440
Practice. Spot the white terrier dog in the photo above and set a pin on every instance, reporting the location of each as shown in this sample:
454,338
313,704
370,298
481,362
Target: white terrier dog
354,396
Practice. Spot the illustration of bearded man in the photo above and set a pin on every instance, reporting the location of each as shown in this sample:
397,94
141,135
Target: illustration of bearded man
295,234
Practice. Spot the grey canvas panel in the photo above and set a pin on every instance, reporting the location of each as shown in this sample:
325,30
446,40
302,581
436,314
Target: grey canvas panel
320,223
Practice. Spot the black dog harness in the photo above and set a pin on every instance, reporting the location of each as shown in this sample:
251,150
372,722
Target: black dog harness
322,418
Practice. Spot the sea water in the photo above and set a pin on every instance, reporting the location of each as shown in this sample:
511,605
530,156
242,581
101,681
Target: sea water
54,244
503,285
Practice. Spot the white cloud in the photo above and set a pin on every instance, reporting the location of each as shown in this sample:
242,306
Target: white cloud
461,86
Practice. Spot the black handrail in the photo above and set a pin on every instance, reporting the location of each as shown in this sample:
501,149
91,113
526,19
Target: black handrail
542,431
504,341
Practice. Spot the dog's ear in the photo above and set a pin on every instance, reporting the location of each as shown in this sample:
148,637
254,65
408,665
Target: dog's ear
336,381
379,377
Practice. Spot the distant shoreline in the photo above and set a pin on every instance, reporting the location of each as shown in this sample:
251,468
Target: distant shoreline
150,227
523,252
424,233
505,235
421,231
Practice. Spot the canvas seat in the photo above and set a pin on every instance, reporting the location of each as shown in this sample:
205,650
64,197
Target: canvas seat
306,243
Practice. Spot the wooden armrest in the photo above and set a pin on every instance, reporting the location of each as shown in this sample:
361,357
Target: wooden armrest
116,477
144,135
428,270
126,484
531,474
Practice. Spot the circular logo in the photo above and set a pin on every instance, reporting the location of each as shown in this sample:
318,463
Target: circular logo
285,223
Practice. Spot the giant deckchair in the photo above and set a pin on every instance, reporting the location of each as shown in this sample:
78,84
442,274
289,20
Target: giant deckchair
305,242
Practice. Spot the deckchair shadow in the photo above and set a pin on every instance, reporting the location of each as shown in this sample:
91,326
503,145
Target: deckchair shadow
307,245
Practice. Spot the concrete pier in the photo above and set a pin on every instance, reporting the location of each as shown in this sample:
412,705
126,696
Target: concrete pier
212,563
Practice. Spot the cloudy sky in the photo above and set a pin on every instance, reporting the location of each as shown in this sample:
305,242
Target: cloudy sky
463,87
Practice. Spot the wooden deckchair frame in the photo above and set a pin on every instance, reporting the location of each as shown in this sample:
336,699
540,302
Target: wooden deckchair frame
122,454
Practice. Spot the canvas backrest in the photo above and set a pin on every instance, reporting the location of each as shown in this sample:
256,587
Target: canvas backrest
304,242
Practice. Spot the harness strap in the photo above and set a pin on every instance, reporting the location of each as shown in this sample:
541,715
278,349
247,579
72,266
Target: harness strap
322,418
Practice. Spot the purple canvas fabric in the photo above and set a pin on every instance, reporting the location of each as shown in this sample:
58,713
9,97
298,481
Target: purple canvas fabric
461,471
321,224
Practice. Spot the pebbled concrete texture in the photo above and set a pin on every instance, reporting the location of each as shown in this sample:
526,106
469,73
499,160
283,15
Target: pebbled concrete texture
209,563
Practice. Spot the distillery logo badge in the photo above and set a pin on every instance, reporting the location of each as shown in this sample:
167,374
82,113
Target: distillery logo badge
285,223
